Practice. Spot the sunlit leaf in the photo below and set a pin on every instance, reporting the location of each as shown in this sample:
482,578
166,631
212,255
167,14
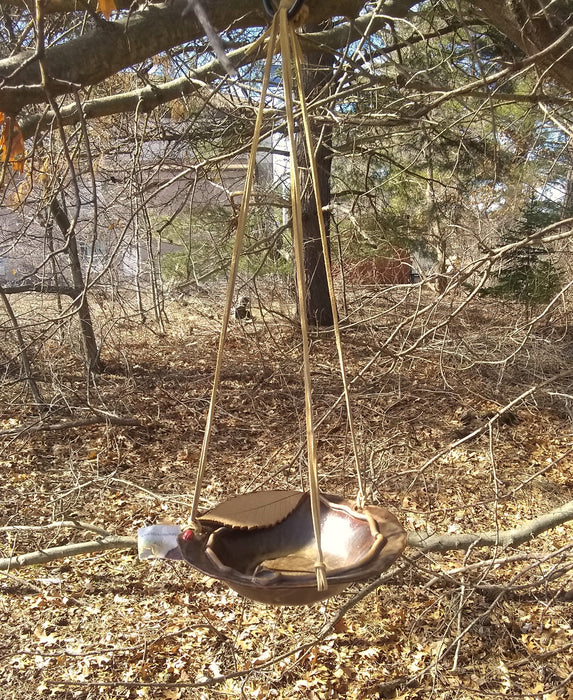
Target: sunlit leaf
11,138
106,7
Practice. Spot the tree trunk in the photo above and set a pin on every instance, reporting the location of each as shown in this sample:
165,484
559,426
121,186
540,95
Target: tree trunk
567,206
317,77
435,232
535,25
436,235
54,271
89,342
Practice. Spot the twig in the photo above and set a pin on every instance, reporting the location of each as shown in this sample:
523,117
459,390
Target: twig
541,656
75,524
565,373
152,494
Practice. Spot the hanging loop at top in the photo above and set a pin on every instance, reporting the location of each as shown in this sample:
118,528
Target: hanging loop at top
292,11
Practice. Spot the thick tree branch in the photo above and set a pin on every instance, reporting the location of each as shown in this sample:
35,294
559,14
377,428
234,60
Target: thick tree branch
319,9
501,538
70,524
114,46
433,543
43,556
146,98
43,289
91,58
533,28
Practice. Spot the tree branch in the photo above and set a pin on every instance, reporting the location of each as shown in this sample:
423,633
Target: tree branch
144,99
432,543
150,96
114,46
43,289
318,9
91,58
533,29
501,538
43,556
74,524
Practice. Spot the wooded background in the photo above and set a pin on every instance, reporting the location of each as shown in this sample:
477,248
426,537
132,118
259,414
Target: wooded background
444,141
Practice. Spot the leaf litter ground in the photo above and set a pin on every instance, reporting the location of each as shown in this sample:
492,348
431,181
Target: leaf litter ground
455,625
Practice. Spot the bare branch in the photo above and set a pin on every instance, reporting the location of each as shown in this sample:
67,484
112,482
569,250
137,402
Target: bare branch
501,538
42,556
74,524
114,46
211,34
148,97
42,288
432,543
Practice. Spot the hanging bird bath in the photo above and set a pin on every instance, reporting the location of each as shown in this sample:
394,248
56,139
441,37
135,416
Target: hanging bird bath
262,545
284,547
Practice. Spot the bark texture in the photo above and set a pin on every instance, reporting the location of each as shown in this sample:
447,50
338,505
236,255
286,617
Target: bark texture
534,26
317,76
114,46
